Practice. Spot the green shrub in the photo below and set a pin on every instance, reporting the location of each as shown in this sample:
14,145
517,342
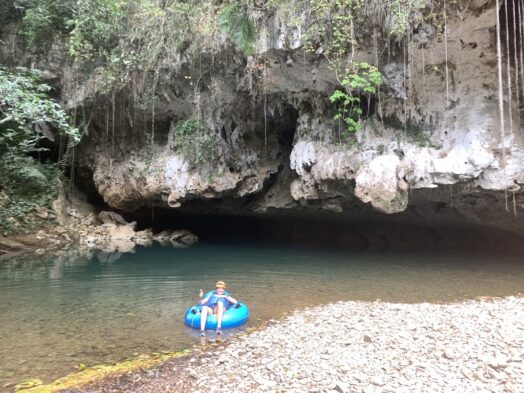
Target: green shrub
24,103
196,143
26,186
25,183
234,21
42,20
97,28
364,79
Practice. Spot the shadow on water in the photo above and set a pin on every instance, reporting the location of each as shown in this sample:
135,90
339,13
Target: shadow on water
334,232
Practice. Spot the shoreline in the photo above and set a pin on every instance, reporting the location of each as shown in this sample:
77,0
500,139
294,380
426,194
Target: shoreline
351,346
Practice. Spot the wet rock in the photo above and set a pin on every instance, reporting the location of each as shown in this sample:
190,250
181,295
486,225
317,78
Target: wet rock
182,238
163,238
11,245
109,217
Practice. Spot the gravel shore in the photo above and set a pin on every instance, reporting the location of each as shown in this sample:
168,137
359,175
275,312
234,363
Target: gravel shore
475,346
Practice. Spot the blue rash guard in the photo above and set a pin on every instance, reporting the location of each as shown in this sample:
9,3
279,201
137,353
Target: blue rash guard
214,299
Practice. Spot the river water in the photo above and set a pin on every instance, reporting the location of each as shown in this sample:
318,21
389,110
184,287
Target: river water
59,312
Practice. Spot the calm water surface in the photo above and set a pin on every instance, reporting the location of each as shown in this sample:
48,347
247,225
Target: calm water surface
58,312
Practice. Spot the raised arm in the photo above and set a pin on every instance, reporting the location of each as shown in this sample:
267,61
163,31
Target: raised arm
204,300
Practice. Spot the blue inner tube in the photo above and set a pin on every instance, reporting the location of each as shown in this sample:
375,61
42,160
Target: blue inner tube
234,316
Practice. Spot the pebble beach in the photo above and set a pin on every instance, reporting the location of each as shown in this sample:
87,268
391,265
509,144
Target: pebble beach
473,346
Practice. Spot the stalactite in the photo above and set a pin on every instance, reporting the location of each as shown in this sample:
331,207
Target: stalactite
424,74
404,73
514,204
508,70
521,46
446,53
107,124
133,125
75,82
72,180
264,77
113,125
339,130
500,83
411,60
379,98
153,122
516,60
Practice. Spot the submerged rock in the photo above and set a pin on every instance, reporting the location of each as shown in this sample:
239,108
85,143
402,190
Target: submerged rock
177,238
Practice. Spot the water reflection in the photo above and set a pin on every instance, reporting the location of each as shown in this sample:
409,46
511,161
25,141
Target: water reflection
60,311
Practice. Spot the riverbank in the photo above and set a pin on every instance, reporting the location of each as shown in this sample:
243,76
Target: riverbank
83,234
355,347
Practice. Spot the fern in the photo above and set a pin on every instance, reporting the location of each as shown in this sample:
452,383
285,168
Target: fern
234,21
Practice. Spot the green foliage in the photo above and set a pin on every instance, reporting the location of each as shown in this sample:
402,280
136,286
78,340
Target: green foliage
328,26
336,28
44,19
27,186
196,143
25,183
363,79
395,16
234,21
24,103
8,13
135,43
333,25
97,27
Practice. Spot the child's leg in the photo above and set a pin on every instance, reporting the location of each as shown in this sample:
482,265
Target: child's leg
203,317
220,314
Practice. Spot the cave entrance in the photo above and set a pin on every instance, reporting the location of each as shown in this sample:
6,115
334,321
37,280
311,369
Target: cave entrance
283,124
322,230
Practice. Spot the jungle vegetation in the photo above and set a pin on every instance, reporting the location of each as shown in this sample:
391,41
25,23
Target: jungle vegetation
133,45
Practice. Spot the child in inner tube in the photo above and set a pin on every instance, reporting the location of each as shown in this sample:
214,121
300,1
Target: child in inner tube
216,303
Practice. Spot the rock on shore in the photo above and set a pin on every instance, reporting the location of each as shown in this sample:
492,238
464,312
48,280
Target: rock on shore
377,347
475,346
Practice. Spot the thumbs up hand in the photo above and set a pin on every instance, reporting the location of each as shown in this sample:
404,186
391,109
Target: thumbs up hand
201,293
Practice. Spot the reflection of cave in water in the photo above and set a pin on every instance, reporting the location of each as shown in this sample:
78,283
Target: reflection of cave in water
72,310
107,256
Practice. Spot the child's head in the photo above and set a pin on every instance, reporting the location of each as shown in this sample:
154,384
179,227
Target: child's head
220,285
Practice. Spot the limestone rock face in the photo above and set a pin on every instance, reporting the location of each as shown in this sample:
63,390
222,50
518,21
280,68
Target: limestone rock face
378,183
431,147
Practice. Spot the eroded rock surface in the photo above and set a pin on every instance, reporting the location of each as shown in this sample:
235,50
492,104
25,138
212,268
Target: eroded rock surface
436,125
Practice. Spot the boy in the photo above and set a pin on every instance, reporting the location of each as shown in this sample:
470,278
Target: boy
216,303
